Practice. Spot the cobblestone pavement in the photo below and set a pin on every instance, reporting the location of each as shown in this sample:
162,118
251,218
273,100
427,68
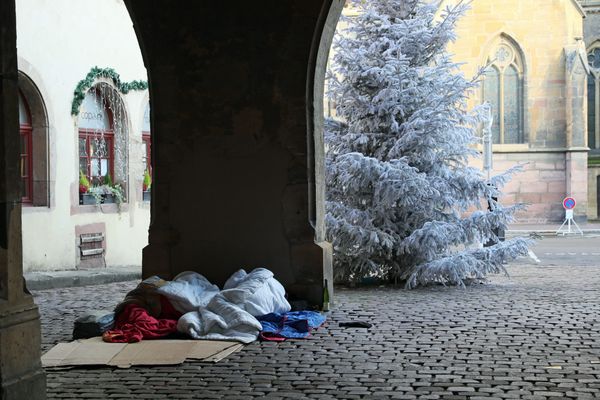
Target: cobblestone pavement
534,336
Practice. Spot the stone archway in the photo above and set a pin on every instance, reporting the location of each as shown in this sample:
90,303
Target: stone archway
237,176
236,113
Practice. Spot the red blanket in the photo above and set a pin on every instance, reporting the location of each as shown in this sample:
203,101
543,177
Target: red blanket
134,323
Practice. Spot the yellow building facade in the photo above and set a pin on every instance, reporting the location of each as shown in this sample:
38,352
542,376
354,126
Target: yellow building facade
535,70
591,36
535,79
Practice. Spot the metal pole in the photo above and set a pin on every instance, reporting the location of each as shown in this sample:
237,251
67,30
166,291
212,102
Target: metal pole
487,141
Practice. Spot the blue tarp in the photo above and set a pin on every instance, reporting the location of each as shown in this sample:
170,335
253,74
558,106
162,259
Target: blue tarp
291,325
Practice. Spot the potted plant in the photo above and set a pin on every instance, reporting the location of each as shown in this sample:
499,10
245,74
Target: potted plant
146,186
108,196
85,196
107,192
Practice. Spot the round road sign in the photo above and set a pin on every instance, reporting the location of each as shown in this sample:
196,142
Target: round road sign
569,203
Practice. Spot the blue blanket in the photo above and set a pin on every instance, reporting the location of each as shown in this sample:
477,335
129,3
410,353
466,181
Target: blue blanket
291,325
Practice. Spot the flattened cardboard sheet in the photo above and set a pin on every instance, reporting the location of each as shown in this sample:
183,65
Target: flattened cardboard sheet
208,348
149,352
93,353
222,354
152,352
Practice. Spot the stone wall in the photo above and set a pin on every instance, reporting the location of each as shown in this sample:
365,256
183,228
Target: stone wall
541,184
593,174
542,29
591,32
554,120
591,23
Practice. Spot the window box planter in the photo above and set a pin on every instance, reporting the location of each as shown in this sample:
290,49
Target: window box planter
108,199
146,195
87,199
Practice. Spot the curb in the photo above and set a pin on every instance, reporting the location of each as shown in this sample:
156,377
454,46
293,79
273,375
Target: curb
547,232
75,278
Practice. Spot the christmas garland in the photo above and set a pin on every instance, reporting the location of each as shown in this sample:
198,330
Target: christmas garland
85,84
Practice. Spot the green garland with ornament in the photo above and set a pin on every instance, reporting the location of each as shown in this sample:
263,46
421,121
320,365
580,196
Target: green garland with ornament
108,73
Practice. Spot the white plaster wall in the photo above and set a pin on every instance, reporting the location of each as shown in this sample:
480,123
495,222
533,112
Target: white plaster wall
58,42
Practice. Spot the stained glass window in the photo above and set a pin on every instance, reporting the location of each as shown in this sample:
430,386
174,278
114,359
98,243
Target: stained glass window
503,90
512,106
593,106
594,58
591,111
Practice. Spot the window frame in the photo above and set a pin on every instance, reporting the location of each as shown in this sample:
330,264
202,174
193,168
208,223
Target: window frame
26,135
516,61
147,141
595,72
88,135
92,134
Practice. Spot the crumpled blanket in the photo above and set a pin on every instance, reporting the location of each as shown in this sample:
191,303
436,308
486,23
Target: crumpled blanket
188,291
230,314
135,323
292,325
207,312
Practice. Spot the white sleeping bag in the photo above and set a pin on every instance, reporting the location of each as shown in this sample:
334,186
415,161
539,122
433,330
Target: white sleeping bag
230,314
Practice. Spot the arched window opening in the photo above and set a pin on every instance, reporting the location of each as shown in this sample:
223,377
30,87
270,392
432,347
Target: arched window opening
103,143
34,164
503,89
593,93
26,161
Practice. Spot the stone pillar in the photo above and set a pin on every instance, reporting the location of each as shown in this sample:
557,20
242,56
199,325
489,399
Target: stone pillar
577,150
21,375
323,39
237,167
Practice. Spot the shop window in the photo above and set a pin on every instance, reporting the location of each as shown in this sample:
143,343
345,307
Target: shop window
503,90
103,147
96,139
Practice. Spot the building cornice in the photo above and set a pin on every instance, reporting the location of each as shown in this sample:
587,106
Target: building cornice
590,6
579,7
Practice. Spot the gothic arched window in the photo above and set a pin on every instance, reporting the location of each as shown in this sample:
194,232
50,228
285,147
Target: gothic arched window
593,94
503,89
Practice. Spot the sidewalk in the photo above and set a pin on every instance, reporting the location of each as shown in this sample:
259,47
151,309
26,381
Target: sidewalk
100,276
588,228
72,278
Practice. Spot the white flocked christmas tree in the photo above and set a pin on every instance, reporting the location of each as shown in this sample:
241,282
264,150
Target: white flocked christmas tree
402,201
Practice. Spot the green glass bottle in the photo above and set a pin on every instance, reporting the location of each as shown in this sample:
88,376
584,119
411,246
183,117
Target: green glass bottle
326,296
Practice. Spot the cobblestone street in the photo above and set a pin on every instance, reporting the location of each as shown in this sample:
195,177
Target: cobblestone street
533,336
